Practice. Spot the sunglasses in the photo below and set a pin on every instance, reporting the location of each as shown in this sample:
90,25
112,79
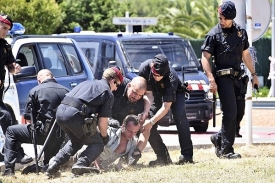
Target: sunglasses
117,85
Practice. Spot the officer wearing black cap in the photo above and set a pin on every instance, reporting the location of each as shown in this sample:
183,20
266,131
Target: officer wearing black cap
77,116
44,107
165,90
6,59
228,43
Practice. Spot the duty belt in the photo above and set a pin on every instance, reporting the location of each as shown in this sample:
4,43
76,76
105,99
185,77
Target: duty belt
76,103
225,72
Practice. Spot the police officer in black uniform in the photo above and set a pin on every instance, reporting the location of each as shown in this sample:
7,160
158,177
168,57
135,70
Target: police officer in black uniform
128,99
228,43
44,99
166,90
7,59
77,117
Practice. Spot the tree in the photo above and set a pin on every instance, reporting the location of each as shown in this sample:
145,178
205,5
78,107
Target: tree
95,15
37,16
190,19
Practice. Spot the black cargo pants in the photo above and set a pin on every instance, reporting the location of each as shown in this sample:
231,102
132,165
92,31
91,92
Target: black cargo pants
70,121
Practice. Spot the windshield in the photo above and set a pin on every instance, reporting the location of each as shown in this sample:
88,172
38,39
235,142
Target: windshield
179,53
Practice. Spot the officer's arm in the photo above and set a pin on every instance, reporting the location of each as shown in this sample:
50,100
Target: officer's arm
249,64
205,57
103,125
14,68
148,100
160,113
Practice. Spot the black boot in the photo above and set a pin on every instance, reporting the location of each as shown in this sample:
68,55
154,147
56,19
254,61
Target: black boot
161,161
217,145
231,155
184,159
53,169
32,168
8,172
23,159
238,135
79,168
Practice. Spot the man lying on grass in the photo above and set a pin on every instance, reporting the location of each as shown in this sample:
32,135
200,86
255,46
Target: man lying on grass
122,145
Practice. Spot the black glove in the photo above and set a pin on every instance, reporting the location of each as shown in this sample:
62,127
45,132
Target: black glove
105,139
136,155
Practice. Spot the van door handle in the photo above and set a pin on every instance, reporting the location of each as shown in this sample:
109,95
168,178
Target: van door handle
73,84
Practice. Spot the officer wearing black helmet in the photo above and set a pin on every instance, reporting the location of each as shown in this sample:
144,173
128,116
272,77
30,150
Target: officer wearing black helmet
165,89
228,43
77,116
7,59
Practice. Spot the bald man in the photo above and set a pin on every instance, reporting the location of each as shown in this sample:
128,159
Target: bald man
129,100
45,98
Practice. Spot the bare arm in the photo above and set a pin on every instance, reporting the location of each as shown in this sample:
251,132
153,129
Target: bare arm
14,68
148,100
249,64
143,139
205,57
160,113
103,125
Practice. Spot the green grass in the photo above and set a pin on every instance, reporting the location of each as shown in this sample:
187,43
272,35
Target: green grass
256,165
263,92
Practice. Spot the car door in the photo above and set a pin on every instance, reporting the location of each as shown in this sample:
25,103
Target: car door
43,56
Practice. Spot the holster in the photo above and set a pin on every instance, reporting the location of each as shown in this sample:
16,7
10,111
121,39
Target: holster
90,126
46,127
245,80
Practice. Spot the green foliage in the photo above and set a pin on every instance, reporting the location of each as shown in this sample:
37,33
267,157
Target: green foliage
263,92
37,16
95,15
190,19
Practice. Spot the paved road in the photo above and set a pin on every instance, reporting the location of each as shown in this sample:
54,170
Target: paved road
259,135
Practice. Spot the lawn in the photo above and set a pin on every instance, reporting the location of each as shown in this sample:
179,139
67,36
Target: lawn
256,165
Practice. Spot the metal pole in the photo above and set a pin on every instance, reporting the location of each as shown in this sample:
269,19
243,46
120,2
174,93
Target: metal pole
272,65
127,26
248,102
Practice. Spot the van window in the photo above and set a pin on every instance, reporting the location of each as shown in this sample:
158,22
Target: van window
53,59
25,56
90,49
178,53
73,59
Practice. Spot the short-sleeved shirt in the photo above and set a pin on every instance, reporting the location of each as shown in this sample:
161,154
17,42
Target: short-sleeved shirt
6,57
97,95
226,45
164,89
122,106
109,155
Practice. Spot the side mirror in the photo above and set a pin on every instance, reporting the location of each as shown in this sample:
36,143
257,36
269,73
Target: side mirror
27,71
112,64
176,67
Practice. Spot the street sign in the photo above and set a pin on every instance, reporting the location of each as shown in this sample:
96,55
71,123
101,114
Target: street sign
135,20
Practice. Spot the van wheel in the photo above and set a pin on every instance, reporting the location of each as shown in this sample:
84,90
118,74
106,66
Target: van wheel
201,127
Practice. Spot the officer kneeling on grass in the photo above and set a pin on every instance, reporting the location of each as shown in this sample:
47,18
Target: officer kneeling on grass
44,107
76,116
